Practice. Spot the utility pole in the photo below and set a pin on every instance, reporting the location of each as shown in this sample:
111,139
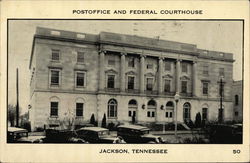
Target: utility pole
221,98
17,100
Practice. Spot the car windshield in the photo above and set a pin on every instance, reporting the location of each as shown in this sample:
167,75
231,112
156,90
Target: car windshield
103,134
145,132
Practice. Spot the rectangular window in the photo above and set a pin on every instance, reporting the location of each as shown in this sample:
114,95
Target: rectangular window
131,82
111,62
54,77
184,67
168,66
170,114
149,66
153,114
80,57
149,84
205,70
79,109
55,56
129,113
131,62
205,88
221,72
184,86
167,85
167,114
111,81
204,113
53,108
80,79
148,114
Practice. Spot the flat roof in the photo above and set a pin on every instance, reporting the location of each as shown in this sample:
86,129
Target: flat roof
137,127
16,129
94,128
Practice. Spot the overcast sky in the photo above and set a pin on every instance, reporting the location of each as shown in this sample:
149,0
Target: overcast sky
225,36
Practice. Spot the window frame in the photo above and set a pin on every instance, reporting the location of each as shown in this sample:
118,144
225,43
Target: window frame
184,66
109,61
131,60
131,76
59,55
186,86
165,81
84,79
108,81
114,104
148,84
77,57
168,66
222,71
205,70
50,77
205,91
82,109
51,108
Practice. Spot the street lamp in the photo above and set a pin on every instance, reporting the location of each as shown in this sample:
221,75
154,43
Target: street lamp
176,98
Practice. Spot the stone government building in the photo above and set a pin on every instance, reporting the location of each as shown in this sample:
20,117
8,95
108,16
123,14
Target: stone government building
78,74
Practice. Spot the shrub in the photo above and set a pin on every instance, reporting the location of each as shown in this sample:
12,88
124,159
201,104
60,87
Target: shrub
104,123
111,126
198,120
92,120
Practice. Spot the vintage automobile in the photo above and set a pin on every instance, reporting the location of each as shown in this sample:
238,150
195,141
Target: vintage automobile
61,136
97,135
20,135
137,134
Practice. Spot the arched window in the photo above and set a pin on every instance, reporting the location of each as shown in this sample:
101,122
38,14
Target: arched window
170,109
186,111
132,107
236,100
152,108
112,108
54,105
79,107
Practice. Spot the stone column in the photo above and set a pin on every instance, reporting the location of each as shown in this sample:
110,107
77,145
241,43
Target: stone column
194,87
101,70
142,65
160,63
122,73
178,67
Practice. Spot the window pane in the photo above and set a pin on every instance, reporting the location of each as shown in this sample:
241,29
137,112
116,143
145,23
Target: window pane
55,55
54,77
80,57
184,67
131,82
205,88
80,79
170,114
148,113
153,114
111,81
53,108
168,66
79,109
184,86
167,85
149,84
166,114
129,113
131,62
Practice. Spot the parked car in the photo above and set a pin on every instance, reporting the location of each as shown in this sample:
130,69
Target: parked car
97,135
15,133
62,136
137,134
225,134
31,139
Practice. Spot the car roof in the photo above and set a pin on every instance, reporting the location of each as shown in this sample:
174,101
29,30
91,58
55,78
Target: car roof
93,129
16,129
137,127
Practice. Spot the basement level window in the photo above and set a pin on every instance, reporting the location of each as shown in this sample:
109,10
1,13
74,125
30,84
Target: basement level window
57,33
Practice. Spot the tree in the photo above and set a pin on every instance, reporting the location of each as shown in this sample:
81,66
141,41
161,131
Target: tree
11,114
198,120
104,124
92,119
133,119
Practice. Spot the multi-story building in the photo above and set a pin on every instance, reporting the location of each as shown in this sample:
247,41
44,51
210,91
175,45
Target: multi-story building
237,100
77,74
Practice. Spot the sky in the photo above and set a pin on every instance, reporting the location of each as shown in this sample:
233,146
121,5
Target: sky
224,36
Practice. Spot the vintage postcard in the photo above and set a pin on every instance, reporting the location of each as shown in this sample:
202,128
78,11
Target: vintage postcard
109,81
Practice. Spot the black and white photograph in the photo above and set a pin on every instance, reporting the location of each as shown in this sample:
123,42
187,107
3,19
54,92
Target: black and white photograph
125,81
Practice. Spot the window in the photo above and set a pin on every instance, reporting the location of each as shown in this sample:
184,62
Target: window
149,84
148,114
236,113
168,66
112,108
184,86
152,108
80,57
131,62
111,62
184,67
149,66
204,113
205,88
79,109
54,109
221,72
132,107
169,114
186,111
131,82
153,114
205,70
236,100
111,81
80,79
55,55
54,77
167,85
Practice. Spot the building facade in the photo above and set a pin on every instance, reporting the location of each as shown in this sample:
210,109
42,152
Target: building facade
75,75
238,101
